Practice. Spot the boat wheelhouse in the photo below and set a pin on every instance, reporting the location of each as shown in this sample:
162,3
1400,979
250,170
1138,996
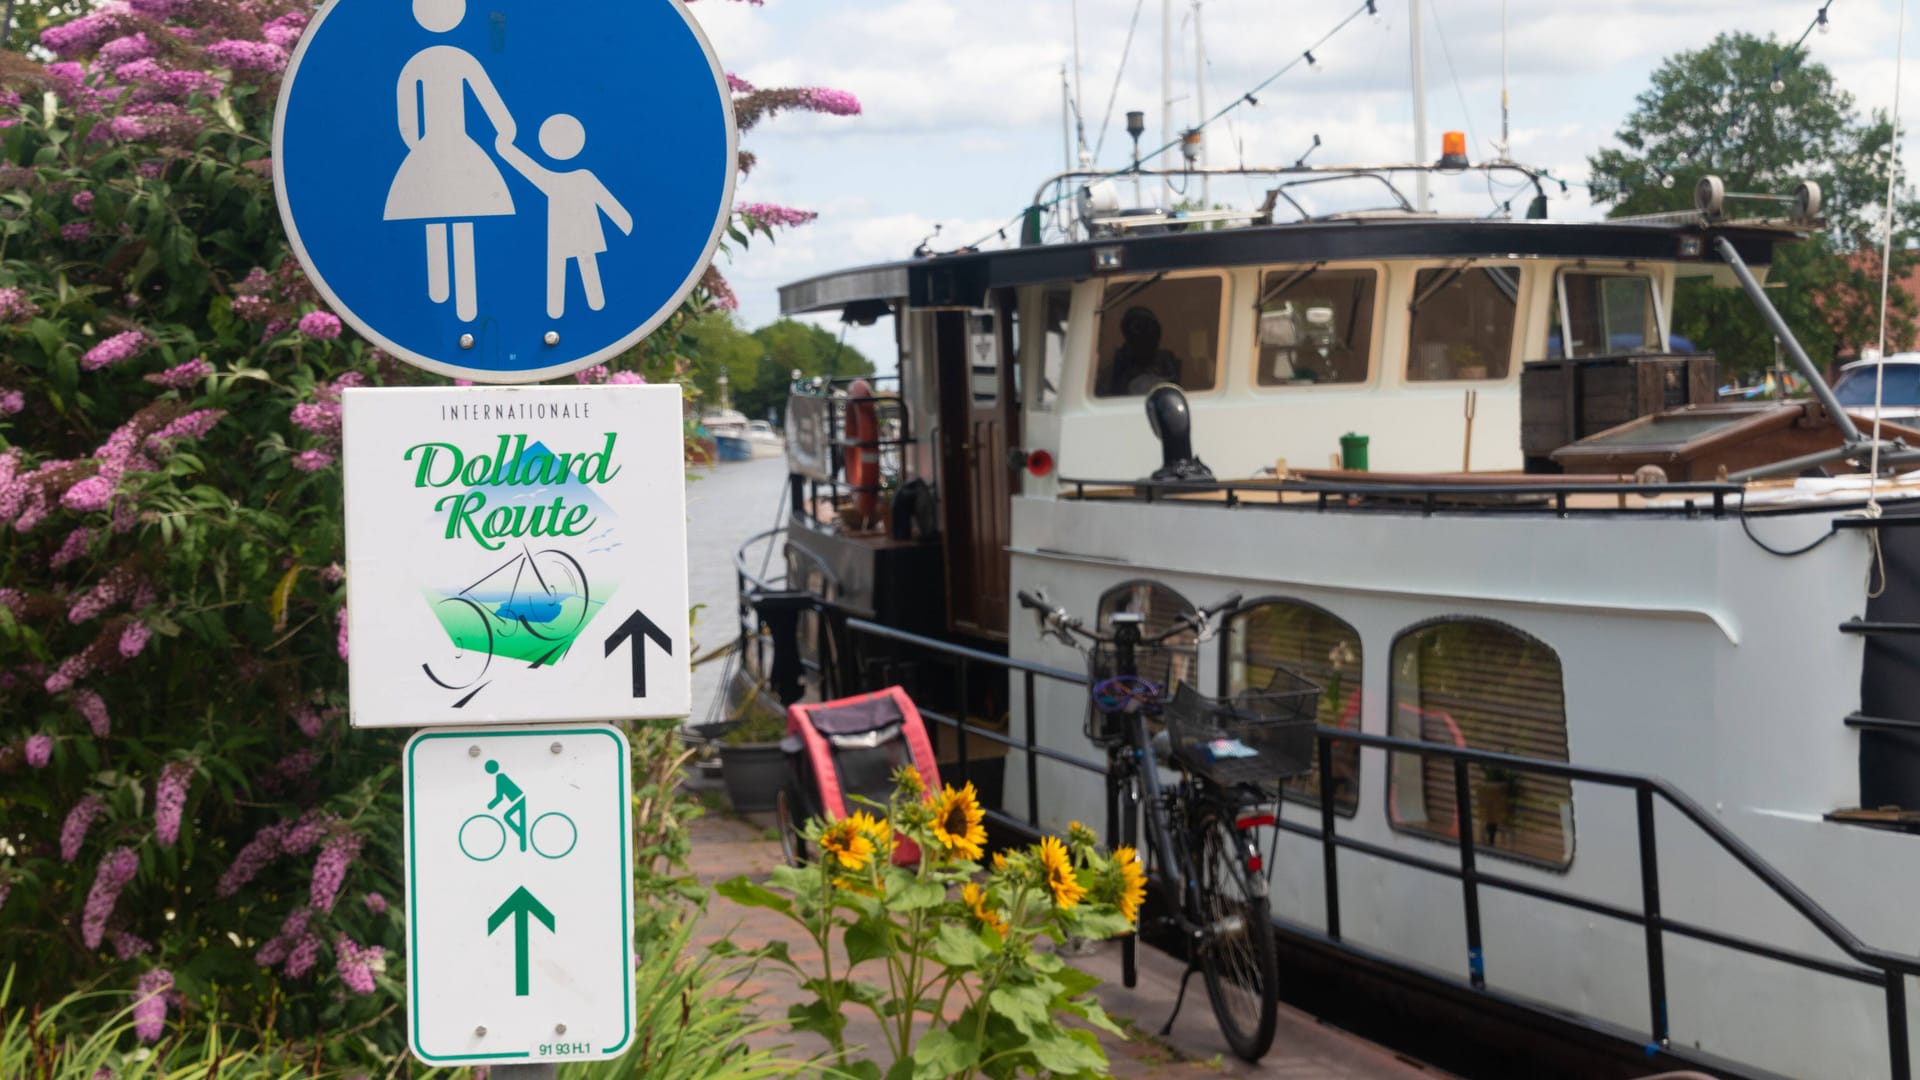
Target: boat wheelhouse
1620,731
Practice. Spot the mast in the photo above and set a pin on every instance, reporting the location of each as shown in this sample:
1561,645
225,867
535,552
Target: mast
1166,83
1423,199
1200,105
1066,137
1505,138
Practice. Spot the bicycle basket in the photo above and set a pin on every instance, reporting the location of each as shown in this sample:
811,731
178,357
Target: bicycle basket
1256,737
1157,664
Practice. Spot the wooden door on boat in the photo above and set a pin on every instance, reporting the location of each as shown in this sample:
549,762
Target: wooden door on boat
977,414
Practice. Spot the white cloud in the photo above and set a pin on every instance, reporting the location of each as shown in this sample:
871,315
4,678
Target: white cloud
963,104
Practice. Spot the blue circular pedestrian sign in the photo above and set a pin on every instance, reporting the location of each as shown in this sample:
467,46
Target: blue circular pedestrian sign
506,190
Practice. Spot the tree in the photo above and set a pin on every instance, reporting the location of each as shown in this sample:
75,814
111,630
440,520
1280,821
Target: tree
1715,112
715,344
790,346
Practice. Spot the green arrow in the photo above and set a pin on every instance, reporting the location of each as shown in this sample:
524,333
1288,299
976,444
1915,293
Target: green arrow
519,905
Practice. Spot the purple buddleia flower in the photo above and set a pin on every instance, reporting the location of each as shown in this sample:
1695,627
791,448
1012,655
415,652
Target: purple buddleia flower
39,750
150,1005
310,461
595,374
15,306
308,831
88,704
73,832
92,494
738,85
320,325
74,546
355,964
242,55
181,376
301,957
258,852
116,870
340,641
134,638
120,347
127,946
11,402
330,869
292,930
193,425
376,903
285,31
83,200
170,800
626,378
767,215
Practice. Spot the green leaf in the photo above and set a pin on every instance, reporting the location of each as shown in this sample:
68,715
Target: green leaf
941,1054
1089,1010
746,893
958,947
817,1018
868,939
1027,1007
1068,1052
917,896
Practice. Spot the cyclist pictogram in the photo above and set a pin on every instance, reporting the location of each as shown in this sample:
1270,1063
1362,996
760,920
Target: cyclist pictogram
483,836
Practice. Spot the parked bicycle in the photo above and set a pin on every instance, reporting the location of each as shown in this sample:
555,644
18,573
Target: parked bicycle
1203,855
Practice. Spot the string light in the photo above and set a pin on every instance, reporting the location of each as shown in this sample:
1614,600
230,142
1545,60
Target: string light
1820,21
1312,64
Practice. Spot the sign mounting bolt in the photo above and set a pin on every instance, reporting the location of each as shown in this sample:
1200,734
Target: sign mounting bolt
555,748
552,337
473,751
559,1029
480,1032
466,341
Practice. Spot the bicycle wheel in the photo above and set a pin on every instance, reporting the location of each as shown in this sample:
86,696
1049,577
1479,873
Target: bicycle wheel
1237,953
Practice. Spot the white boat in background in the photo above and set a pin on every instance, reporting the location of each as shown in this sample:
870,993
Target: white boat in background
763,441
729,428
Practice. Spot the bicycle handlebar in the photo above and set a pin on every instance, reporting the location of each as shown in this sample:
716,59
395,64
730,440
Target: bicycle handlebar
1065,626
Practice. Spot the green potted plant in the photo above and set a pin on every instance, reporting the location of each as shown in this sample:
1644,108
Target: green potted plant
751,762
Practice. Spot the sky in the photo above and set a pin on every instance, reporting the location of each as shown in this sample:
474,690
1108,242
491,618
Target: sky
962,101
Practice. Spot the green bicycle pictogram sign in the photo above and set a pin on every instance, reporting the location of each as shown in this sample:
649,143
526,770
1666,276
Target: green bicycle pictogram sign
483,836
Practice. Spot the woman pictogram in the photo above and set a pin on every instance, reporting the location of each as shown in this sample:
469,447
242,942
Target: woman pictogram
447,179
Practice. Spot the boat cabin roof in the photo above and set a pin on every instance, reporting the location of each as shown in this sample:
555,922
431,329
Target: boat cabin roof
964,279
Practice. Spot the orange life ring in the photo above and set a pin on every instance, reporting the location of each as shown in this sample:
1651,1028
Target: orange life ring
863,461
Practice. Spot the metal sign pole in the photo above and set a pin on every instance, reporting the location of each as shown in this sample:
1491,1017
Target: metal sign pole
544,1071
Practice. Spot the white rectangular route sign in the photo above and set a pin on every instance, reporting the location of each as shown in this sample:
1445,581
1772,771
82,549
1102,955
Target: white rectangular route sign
515,554
519,894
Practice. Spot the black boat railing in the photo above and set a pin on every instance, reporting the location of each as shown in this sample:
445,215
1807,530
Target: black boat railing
1871,965
1715,499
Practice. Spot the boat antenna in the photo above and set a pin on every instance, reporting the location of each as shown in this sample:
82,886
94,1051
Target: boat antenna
1167,134
1505,143
1136,126
1200,102
1302,159
1422,197
1886,264
1079,119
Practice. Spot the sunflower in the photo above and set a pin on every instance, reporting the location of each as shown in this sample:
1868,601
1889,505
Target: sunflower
957,822
845,841
976,901
876,830
1133,883
907,781
1059,869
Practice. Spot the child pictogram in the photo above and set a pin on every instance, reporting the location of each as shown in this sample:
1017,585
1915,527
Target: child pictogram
575,201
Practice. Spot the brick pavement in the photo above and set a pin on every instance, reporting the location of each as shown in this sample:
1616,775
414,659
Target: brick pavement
1304,1049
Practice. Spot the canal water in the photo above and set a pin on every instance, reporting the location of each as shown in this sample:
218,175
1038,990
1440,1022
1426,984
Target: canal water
726,505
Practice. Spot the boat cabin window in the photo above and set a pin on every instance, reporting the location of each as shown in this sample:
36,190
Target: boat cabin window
1319,646
1609,314
1044,348
1316,326
1485,686
1176,661
1155,330
1462,320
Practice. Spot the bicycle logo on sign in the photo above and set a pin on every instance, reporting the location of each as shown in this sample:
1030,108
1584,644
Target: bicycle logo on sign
483,836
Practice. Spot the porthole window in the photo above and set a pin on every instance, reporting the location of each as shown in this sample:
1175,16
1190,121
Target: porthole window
1486,686
1174,662
1318,646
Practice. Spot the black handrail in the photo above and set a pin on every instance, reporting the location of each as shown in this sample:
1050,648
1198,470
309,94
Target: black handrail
1876,966
1428,496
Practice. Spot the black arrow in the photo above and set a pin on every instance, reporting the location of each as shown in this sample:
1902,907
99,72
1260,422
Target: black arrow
637,626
